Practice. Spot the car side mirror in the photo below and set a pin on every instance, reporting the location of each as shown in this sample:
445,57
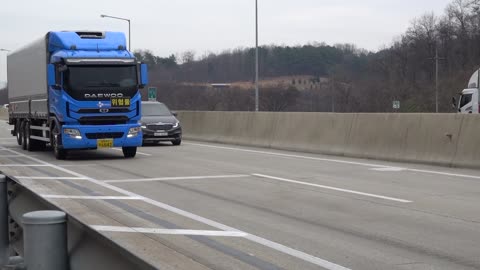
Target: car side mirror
51,77
454,102
175,114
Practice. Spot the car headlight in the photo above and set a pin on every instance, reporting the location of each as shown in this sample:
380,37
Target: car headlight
144,126
73,133
133,132
176,125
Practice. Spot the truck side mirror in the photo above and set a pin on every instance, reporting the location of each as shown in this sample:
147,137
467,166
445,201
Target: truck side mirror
51,79
143,75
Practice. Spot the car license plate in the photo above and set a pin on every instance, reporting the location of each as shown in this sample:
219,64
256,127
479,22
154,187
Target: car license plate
161,134
105,143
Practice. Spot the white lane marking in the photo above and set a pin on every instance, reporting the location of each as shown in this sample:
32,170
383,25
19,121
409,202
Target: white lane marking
273,245
78,165
389,169
90,197
445,173
49,178
332,188
9,156
176,178
295,253
168,231
1,139
24,165
335,160
138,153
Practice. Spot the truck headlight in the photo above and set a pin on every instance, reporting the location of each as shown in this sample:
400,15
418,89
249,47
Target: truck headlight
133,132
73,133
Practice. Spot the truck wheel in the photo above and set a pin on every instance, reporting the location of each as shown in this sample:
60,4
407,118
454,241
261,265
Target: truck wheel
25,137
129,152
29,144
18,132
59,153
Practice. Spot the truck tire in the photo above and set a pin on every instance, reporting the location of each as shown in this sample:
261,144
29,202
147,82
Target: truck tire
56,142
18,132
129,152
29,144
25,140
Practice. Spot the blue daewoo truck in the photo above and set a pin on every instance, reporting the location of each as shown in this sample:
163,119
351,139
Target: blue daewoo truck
76,90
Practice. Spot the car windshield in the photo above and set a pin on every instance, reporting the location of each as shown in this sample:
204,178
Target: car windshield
155,109
88,77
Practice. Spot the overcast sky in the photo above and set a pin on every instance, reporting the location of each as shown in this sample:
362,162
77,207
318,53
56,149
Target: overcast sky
171,26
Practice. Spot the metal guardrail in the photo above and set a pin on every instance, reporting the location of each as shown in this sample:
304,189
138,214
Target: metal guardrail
31,227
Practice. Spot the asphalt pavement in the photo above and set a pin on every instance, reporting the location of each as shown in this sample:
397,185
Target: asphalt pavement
214,206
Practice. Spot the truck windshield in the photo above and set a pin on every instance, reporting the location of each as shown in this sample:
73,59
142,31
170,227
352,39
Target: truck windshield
87,81
155,109
84,77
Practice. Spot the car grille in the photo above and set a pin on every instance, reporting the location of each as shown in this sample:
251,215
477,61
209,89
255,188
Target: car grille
106,135
160,127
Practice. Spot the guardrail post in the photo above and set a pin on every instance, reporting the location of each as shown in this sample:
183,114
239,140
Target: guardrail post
4,239
45,240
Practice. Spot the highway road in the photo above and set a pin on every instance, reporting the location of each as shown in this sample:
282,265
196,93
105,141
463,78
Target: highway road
213,206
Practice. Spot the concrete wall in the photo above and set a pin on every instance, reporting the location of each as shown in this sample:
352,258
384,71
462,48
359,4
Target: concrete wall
442,139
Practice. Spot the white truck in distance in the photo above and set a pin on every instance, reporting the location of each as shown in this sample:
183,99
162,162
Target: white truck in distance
469,98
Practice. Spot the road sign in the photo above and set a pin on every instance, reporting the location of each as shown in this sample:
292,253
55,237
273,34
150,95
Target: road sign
152,94
396,104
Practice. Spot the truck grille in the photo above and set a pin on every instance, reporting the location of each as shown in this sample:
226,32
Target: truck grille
160,127
110,110
106,135
103,120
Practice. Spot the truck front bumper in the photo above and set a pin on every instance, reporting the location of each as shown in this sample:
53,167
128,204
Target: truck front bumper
89,135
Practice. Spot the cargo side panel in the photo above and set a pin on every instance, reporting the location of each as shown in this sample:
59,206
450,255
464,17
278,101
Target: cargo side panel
27,75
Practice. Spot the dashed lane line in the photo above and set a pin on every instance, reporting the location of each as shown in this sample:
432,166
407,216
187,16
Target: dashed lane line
168,231
177,178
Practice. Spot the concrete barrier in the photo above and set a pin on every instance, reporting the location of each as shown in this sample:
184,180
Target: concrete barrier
311,132
441,139
468,147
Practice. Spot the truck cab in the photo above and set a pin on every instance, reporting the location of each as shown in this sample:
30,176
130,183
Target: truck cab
468,101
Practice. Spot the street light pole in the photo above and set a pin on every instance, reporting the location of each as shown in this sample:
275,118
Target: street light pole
256,57
437,59
129,28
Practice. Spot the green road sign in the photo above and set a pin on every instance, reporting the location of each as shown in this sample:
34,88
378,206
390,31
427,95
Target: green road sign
396,104
152,94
